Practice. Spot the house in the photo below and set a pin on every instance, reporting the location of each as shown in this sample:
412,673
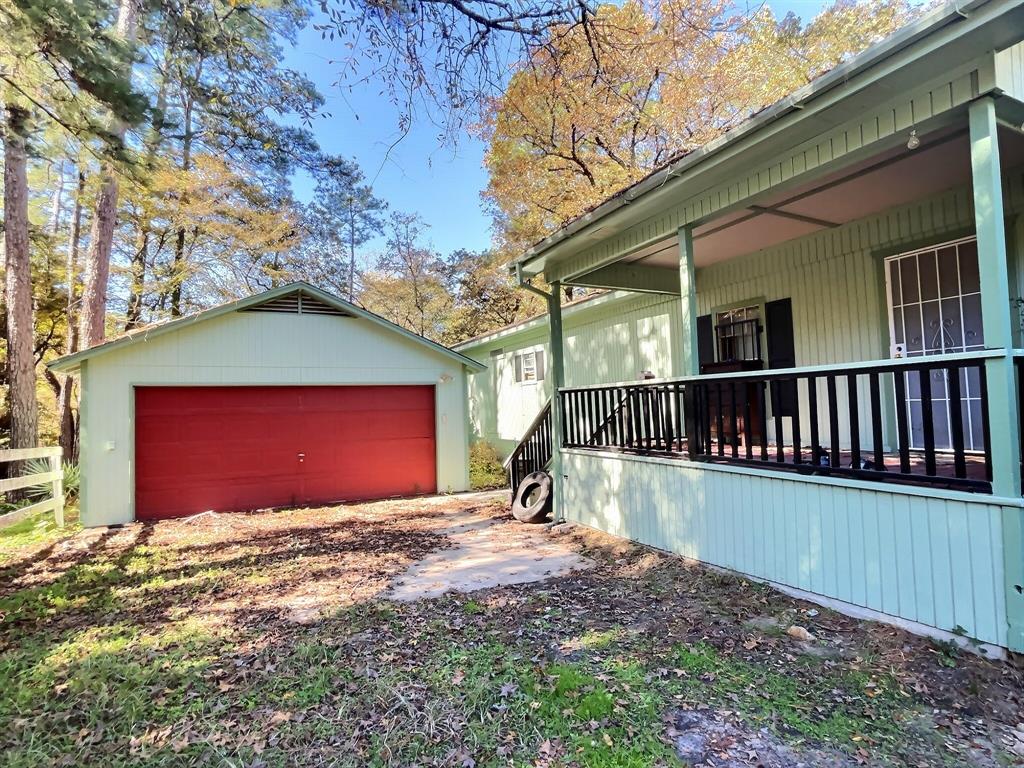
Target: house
839,280
289,397
637,335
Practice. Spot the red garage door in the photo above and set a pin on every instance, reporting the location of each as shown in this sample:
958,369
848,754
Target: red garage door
237,448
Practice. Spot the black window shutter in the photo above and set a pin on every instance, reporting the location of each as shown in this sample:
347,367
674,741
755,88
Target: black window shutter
540,365
782,349
519,367
705,340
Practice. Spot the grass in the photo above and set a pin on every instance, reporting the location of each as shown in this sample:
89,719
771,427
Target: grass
160,652
839,706
36,531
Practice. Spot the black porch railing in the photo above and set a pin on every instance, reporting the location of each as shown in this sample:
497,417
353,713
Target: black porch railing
533,453
921,421
1018,365
640,417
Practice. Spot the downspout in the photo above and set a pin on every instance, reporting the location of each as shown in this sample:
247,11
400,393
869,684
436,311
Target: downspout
554,304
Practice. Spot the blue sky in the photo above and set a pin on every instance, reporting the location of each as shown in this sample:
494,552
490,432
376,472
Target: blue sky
418,174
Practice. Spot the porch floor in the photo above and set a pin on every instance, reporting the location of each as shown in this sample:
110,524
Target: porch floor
944,461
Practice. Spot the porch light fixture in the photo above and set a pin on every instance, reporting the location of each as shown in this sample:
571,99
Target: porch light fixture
913,142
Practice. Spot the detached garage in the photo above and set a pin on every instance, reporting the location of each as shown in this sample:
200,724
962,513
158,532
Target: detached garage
290,397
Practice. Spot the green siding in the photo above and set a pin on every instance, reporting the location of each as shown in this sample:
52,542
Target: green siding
936,561
834,277
612,342
262,348
1010,71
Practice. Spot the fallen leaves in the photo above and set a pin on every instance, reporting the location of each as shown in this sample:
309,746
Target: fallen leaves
367,675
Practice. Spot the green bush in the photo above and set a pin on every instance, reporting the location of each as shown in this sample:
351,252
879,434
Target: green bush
72,479
485,470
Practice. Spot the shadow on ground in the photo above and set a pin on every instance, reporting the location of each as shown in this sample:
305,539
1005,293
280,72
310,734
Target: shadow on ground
437,632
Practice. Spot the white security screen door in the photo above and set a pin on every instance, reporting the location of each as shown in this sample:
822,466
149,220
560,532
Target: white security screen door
935,308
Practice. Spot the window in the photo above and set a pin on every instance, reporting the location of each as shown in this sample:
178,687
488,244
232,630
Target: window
738,333
529,366
935,308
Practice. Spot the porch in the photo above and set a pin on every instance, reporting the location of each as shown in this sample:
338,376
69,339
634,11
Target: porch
844,413
819,420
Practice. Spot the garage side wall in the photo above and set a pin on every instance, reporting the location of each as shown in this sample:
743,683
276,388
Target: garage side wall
254,348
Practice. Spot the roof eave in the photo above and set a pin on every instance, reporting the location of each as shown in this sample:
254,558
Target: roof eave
796,102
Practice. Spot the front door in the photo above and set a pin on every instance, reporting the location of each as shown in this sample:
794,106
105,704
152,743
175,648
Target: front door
935,308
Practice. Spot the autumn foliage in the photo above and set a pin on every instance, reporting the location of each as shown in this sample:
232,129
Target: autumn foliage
598,107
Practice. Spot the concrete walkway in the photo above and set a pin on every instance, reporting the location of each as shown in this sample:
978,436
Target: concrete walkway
487,552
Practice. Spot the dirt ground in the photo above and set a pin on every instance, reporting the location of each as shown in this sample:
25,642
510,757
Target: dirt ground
440,632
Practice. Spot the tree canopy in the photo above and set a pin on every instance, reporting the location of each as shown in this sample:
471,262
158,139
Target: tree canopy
151,149
600,107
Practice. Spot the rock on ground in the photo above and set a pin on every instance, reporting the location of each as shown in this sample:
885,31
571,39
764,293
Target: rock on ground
706,737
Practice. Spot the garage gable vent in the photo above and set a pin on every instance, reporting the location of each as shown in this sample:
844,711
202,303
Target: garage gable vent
297,303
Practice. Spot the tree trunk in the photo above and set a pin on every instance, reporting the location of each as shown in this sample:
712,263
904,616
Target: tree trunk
178,270
154,139
57,203
97,261
21,372
66,399
133,316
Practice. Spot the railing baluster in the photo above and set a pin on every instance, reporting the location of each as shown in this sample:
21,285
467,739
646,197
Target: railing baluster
704,413
853,410
569,418
812,410
588,405
902,430
677,401
956,420
876,420
581,418
734,434
664,395
657,425
607,404
928,421
690,416
627,417
720,419
762,416
795,424
780,448
616,425
649,420
986,434
748,426
566,415
835,459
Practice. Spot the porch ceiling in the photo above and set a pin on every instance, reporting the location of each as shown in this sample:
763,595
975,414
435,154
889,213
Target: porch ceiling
887,180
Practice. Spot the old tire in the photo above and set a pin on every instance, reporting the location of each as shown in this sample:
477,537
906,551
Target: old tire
532,502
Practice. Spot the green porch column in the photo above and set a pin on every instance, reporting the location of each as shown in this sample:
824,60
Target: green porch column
997,325
688,303
554,300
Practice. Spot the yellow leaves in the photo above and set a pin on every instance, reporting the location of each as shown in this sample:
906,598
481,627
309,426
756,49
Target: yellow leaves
215,203
591,114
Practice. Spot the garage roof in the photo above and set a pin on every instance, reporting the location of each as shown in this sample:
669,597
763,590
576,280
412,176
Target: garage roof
71,363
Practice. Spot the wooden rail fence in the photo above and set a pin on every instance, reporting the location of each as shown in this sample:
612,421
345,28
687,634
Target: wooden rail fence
55,476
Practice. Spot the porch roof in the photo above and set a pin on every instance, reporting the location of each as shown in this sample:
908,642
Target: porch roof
949,41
